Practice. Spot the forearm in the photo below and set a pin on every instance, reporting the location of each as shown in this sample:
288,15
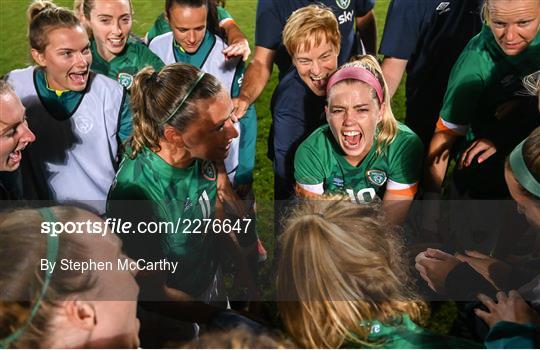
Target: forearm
396,208
255,79
367,28
393,69
437,160
233,32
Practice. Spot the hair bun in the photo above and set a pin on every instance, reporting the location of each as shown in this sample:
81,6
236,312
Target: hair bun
37,7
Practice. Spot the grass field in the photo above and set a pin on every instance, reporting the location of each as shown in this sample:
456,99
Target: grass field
14,53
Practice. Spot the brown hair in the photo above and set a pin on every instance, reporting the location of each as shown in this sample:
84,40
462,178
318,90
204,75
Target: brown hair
212,21
308,27
22,245
342,267
155,96
44,16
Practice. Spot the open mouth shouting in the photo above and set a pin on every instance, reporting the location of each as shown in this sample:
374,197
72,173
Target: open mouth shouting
351,140
79,78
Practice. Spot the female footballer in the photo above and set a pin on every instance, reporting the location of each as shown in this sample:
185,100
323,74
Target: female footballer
114,53
78,117
363,151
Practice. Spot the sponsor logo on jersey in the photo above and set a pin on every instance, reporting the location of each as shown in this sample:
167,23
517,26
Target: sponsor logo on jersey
346,16
343,4
83,124
337,181
443,7
376,177
209,171
125,79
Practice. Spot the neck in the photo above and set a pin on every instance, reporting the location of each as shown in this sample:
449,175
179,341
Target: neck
105,54
174,155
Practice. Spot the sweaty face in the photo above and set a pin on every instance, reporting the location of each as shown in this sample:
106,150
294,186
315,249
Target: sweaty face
188,25
353,115
514,23
315,66
66,59
530,207
211,135
14,132
110,21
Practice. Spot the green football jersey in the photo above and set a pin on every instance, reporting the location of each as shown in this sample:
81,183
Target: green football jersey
161,25
407,335
482,79
127,64
147,189
320,167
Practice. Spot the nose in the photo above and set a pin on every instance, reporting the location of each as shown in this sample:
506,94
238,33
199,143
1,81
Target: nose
83,60
191,37
116,29
315,68
348,118
510,33
27,136
232,133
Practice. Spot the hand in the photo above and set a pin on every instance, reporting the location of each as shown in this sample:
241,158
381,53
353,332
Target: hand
434,266
240,104
483,148
511,308
238,48
493,270
244,191
228,203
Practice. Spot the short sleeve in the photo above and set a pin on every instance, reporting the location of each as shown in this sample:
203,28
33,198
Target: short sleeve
402,30
465,86
406,155
362,7
268,25
223,15
308,169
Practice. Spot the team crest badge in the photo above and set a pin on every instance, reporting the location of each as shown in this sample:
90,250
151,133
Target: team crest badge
376,177
83,124
209,171
343,4
125,79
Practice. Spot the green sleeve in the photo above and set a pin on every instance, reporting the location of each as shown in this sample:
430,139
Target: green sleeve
125,123
510,335
160,26
465,86
223,14
405,156
308,165
248,141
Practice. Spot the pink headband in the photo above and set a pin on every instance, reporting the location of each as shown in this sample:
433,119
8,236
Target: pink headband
356,73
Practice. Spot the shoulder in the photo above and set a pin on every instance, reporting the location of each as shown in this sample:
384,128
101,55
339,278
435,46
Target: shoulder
290,89
319,141
20,74
160,40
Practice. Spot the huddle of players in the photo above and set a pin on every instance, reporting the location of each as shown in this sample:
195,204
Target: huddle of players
85,121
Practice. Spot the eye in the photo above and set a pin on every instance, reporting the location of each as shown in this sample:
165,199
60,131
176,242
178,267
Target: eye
9,133
105,21
523,23
182,30
67,53
499,24
126,20
86,51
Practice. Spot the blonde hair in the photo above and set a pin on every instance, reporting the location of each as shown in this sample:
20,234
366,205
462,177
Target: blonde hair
156,96
388,126
22,245
308,27
341,268
44,16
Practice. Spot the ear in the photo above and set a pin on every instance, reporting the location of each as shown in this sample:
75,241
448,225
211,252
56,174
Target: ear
173,136
81,314
39,57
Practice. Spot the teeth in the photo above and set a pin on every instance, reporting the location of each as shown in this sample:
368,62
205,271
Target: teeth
318,78
351,133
